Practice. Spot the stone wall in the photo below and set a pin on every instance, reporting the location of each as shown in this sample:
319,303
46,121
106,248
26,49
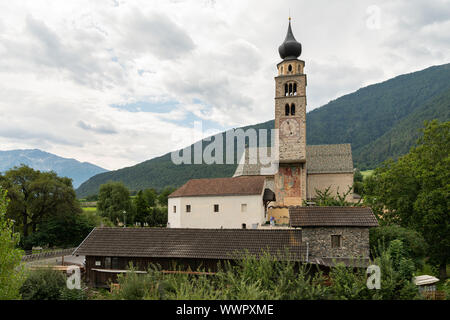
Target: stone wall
354,241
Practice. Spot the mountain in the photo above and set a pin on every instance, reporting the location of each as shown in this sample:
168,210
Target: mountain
380,121
44,161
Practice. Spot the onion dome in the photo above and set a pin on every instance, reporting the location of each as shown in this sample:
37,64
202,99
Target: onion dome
290,49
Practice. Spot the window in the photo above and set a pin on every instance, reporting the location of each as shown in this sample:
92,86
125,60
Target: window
174,209
293,109
295,89
286,89
216,208
290,89
188,208
108,263
281,69
115,263
243,207
244,226
336,241
286,109
290,68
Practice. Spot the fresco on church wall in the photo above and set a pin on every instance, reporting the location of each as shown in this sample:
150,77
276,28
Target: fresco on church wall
288,183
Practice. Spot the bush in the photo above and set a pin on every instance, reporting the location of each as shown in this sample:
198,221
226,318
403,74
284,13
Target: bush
43,284
415,246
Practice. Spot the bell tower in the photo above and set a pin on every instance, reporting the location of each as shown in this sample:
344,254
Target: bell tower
290,119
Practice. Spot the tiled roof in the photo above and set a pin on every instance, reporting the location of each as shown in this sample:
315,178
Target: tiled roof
332,216
190,243
327,158
249,185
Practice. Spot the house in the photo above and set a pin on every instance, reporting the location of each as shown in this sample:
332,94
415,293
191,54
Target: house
219,203
334,234
109,251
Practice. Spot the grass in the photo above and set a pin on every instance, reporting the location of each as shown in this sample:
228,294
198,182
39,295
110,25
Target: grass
89,209
366,173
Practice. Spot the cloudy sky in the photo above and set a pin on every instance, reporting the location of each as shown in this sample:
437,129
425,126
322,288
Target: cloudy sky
112,82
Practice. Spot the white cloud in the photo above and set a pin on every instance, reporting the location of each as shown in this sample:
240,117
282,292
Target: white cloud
64,64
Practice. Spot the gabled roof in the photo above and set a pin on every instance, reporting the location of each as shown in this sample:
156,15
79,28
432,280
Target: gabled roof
332,216
327,158
190,243
221,187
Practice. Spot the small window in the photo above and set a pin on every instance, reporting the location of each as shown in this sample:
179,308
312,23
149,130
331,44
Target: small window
290,89
336,241
293,109
188,208
243,207
281,69
174,209
216,208
290,68
286,89
98,263
286,110
244,226
295,89
108,263
115,263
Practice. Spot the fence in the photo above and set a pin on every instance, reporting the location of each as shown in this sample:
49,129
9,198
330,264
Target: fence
47,255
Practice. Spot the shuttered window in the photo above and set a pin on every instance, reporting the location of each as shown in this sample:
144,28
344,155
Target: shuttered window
336,241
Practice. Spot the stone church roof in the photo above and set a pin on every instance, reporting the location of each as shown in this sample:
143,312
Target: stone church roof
327,158
246,185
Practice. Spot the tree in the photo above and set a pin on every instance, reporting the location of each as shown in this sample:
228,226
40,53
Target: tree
150,197
11,273
414,191
325,199
45,284
142,208
36,196
415,245
164,194
114,202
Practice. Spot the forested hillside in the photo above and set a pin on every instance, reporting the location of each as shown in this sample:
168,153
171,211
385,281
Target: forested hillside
380,121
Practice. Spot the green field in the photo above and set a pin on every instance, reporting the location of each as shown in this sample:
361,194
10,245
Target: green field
366,173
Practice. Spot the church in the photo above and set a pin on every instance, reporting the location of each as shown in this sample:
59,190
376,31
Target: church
216,221
251,197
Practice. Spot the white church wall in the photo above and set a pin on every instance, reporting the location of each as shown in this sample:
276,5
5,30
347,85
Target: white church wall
231,214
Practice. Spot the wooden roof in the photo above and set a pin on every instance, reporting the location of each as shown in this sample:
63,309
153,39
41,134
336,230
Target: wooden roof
221,186
332,216
190,243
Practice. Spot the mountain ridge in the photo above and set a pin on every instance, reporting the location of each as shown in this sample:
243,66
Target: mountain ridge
365,118
45,161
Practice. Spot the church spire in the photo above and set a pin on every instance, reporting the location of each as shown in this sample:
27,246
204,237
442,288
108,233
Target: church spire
290,49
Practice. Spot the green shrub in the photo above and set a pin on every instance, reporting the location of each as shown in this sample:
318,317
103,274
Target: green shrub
43,284
414,244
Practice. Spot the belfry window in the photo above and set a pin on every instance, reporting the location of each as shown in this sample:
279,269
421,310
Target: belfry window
292,109
290,89
286,110
286,89
295,89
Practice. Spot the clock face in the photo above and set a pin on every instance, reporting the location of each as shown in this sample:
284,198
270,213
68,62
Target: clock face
290,128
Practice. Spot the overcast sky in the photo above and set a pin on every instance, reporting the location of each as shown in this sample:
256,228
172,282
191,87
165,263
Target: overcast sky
109,82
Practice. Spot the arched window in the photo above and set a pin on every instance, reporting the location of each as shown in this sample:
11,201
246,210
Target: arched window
290,89
286,109
295,89
292,109
289,68
286,89
281,70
